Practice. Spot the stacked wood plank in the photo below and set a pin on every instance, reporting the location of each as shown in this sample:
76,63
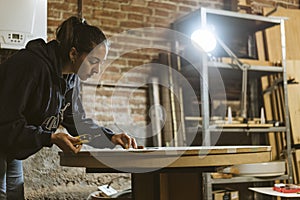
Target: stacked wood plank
167,136
271,110
292,34
293,71
274,101
171,98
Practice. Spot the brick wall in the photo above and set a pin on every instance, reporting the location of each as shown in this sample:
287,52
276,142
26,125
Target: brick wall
258,5
119,15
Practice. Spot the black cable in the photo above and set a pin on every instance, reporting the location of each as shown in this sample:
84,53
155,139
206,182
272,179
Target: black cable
112,180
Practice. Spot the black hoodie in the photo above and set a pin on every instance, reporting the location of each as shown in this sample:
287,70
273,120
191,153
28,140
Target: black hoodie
33,93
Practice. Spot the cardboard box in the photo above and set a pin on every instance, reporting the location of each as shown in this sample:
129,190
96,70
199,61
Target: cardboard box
227,194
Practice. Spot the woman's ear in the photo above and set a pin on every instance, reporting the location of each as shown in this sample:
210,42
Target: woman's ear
73,54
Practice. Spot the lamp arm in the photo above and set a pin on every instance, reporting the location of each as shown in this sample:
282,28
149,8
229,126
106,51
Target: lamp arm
230,53
244,68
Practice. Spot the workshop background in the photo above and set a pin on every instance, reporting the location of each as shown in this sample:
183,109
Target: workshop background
44,178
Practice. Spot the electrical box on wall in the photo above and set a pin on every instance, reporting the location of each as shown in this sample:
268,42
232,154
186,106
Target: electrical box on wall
22,21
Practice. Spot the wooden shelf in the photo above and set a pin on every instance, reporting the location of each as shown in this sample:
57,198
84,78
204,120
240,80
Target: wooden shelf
242,179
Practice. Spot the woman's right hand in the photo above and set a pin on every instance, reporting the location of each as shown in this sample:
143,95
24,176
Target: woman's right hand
66,142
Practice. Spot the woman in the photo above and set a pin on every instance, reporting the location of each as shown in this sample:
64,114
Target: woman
39,92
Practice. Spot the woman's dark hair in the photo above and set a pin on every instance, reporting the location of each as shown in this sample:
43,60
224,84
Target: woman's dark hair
76,32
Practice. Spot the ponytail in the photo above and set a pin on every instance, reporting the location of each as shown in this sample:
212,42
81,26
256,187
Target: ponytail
76,32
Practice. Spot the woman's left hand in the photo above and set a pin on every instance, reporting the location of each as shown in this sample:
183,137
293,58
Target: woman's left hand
124,140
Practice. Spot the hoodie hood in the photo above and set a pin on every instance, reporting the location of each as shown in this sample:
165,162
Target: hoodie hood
48,52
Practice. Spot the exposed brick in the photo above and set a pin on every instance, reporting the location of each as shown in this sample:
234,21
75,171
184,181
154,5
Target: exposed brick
136,17
109,22
111,30
130,42
135,62
137,111
101,14
185,9
156,34
133,79
111,5
53,23
86,3
60,6
138,3
137,118
104,118
125,68
71,1
191,3
51,1
186,2
136,9
159,21
123,1
158,5
161,13
113,69
68,14
131,24
112,77
139,96
119,62
136,56
54,14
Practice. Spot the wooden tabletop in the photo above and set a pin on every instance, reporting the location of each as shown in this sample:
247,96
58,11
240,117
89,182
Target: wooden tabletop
166,157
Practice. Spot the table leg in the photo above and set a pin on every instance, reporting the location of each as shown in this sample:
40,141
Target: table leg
166,186
144,186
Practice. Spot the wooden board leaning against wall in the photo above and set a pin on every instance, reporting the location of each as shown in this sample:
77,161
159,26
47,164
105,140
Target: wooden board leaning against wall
272,53
293,71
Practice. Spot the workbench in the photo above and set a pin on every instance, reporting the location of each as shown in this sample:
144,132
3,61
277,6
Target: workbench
166,172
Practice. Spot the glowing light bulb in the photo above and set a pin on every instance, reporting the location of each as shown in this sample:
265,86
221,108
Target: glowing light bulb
204,39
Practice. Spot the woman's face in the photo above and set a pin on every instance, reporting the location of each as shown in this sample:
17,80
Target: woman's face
89,64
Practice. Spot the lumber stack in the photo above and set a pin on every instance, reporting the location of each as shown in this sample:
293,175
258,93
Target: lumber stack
271,50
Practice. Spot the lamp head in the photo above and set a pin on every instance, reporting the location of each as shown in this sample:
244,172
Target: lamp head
205,39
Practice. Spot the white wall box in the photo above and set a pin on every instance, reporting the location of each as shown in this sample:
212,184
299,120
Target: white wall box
22,21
